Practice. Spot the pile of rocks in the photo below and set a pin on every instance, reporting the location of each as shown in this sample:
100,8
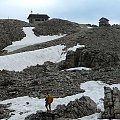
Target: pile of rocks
56,27
74,109
111,103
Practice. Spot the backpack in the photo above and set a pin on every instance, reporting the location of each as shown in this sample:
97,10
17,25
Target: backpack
49,99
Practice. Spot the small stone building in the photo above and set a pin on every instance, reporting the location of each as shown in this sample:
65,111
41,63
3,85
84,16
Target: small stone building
37,18
104,22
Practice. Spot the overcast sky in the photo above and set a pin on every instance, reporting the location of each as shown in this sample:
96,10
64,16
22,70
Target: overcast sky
82,11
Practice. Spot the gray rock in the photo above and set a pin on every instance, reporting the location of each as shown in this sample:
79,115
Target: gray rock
76,109
90,58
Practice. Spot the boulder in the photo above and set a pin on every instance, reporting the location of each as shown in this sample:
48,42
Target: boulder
77,109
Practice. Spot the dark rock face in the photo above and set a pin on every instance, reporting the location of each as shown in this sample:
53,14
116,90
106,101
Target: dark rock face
111,103
90,58
75,109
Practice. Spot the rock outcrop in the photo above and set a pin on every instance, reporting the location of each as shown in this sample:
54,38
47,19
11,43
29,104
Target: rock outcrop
75,109
90,58
111,103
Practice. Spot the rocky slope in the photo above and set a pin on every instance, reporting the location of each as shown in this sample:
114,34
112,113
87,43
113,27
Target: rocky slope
101,38
11,30
56,27
37,80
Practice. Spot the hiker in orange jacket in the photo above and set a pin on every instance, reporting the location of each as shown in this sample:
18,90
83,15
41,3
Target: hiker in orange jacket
48,101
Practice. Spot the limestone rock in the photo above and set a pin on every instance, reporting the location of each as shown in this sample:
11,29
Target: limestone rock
90,58
76,109
111,103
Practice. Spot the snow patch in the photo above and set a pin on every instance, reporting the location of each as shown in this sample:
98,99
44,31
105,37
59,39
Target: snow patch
78,68
30,39
89,27
19,61
75,47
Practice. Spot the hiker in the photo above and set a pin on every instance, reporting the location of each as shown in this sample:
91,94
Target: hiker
48,101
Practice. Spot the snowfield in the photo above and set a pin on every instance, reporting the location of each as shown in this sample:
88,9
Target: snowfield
19,61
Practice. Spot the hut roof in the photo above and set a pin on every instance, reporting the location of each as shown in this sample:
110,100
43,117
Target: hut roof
103,19
38,16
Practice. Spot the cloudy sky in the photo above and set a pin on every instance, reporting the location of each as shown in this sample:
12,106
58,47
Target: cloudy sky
82,11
